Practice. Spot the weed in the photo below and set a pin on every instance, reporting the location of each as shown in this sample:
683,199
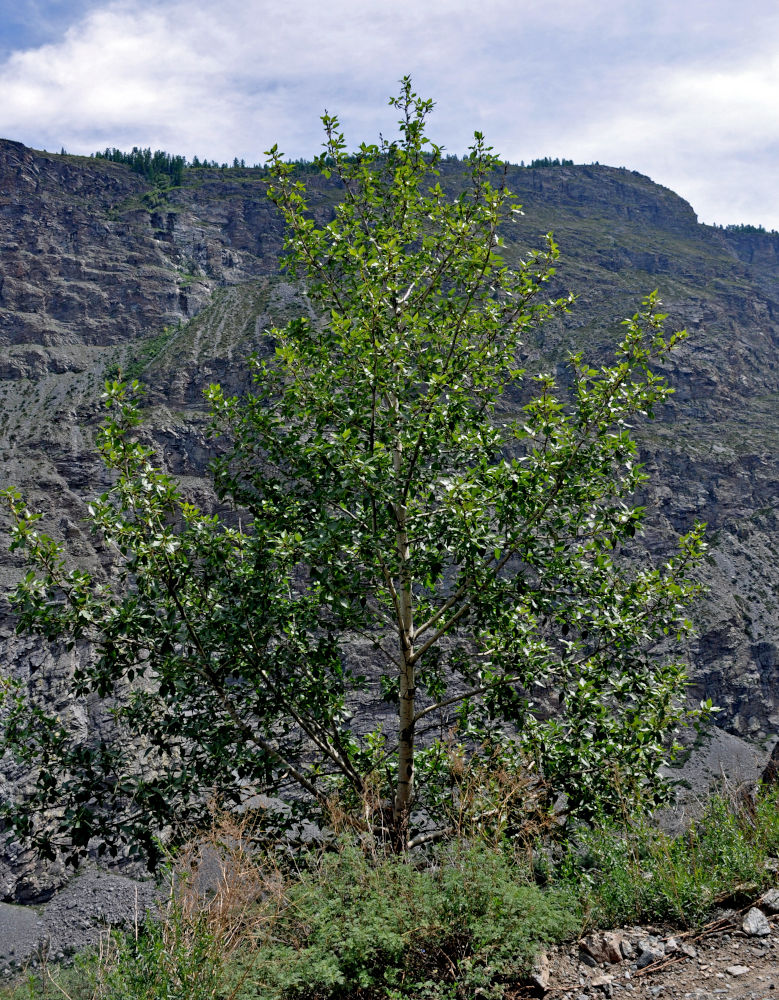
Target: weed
637,873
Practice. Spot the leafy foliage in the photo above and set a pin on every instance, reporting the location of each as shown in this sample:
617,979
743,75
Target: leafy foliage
159,167
749,229
548,161
393,535
391,929
345,925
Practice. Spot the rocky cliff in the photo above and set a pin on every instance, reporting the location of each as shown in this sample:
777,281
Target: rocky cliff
100,270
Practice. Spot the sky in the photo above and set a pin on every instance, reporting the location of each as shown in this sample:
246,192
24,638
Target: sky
685,91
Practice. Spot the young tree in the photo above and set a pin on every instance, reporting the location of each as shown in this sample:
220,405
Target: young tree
398,538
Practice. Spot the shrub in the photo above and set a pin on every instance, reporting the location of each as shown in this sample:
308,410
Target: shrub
361,926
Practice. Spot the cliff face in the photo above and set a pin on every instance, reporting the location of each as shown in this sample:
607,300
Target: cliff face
98,269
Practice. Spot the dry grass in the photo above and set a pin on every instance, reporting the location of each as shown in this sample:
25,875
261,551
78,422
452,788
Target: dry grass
222,885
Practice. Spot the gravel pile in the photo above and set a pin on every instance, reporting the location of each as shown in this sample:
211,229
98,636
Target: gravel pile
72,920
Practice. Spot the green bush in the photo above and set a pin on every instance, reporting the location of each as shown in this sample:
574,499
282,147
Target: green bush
464,922
169,961
392,929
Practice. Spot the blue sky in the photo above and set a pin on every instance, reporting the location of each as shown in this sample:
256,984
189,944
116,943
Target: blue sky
686,91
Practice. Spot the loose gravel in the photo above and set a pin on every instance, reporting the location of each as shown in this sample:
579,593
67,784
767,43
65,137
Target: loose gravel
72,920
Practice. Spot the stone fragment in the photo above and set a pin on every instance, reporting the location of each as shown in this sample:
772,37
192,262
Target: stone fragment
756,923
737,970
651,950
604,947
603,982
688,949
539,974
627,949
769,901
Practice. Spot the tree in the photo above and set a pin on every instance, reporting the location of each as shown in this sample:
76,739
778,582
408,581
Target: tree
395,536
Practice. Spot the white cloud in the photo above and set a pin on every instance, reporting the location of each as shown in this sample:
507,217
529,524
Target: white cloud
680,90
120,71
711,134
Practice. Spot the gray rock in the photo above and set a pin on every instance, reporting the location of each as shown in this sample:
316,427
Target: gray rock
769,901
72,920
651,950
756,923
604,946
20,931
603,982
540,972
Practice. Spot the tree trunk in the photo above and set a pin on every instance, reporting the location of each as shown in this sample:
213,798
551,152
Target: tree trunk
406,711
407,683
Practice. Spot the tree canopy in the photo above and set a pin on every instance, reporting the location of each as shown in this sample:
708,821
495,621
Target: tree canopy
411,581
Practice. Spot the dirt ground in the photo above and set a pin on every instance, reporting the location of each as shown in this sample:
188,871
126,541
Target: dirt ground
721,960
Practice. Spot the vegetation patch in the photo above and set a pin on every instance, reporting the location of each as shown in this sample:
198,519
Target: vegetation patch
143,354
467,919
636,873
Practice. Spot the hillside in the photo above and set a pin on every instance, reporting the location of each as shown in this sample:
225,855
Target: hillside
100,271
